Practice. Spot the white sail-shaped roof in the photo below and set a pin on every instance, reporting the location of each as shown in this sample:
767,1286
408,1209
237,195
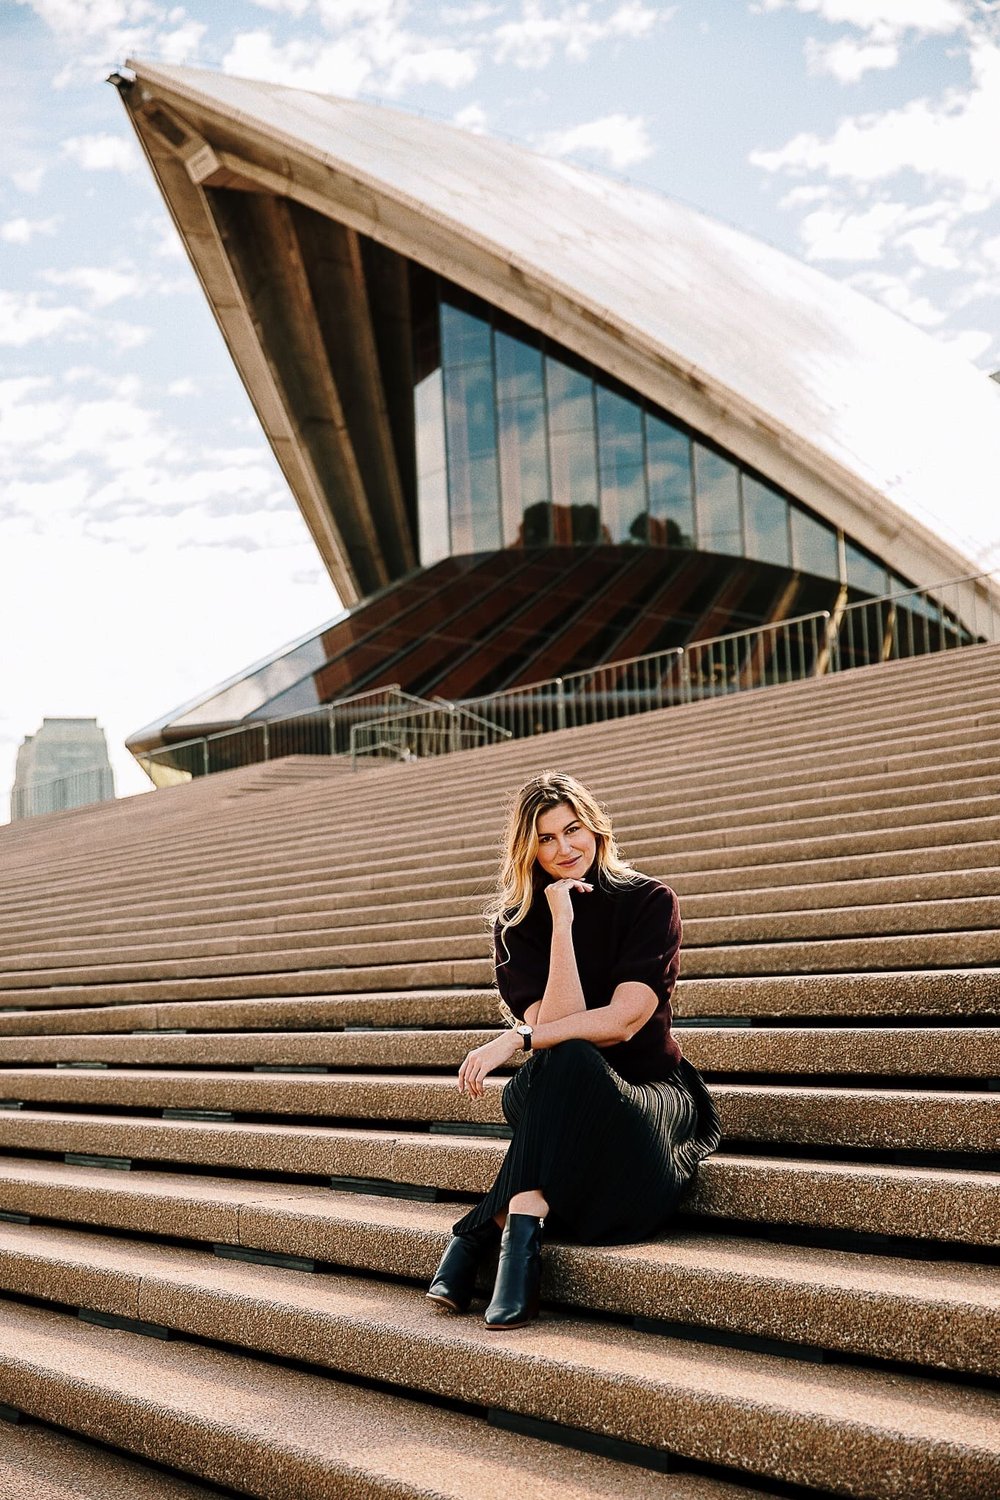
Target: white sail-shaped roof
852,409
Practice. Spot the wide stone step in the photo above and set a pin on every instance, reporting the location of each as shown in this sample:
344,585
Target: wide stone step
936,1203
950,992
401,1008
925,1052
286,1434
925,821
41,1463
893,1119
672,815
361,887
859,1430
730,861
417,976
921,1312
861,995
308,914
420,962
906,918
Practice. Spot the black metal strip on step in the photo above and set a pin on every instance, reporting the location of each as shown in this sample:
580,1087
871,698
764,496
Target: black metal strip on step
85,1159
751,1343
11,1218
127,1325
289,1068
225,1115
381,1187
470,1127
264,1257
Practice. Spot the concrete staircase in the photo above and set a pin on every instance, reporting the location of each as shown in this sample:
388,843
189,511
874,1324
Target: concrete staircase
231,1145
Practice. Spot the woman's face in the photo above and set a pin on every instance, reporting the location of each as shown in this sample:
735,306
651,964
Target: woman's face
566,847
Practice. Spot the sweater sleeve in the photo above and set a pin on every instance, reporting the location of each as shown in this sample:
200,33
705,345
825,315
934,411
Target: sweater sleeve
651,941
522,967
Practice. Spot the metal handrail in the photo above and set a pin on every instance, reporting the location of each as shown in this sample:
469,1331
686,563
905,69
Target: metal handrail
326,717
436,728
875,629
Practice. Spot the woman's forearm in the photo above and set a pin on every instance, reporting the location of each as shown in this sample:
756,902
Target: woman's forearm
603,1026
563,995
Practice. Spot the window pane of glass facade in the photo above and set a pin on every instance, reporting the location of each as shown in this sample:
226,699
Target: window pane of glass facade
522,441
470,424
465,337
519,368
765,517
671,504
814,545
622,467
717,497
572,454
864,572
432,478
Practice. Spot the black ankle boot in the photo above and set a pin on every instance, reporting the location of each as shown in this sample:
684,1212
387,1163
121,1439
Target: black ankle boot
515,1296
455,1278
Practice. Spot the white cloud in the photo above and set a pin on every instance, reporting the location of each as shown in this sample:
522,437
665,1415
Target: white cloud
970,343
451,67
183,387
29,318
372,50
329,68
574,29
26,319
951,139
95,33
848,60
839,233
22,231
472,118
29,180
928,243
180,45
888,17
102,153
103,285
895,293
622,139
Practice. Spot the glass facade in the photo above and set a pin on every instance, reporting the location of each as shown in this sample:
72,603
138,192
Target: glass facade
522,444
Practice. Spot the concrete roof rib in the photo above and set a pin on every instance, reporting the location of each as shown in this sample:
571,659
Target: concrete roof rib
852,409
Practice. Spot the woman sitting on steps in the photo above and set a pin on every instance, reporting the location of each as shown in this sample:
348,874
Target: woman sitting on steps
609,1120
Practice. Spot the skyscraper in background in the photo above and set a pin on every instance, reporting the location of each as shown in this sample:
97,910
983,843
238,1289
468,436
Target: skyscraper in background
64,765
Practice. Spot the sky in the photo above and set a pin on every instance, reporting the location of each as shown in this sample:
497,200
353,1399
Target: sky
149,546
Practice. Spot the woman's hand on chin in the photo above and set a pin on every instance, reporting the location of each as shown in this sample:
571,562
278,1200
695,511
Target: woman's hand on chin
558,896
482,1060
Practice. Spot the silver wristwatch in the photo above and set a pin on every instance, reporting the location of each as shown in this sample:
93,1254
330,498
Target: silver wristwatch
524,1031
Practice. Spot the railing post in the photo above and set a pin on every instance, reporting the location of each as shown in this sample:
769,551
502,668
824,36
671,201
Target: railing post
332,721
560,703
267,742
204,756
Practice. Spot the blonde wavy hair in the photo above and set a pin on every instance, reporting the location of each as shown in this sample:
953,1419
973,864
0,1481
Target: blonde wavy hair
520,877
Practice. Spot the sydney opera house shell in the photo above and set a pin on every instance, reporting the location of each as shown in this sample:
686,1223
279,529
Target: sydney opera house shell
536,418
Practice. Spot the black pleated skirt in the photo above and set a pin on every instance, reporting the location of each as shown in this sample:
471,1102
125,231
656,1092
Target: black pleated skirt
610,1157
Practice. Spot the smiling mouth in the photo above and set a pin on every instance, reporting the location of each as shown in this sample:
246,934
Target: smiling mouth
564,864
